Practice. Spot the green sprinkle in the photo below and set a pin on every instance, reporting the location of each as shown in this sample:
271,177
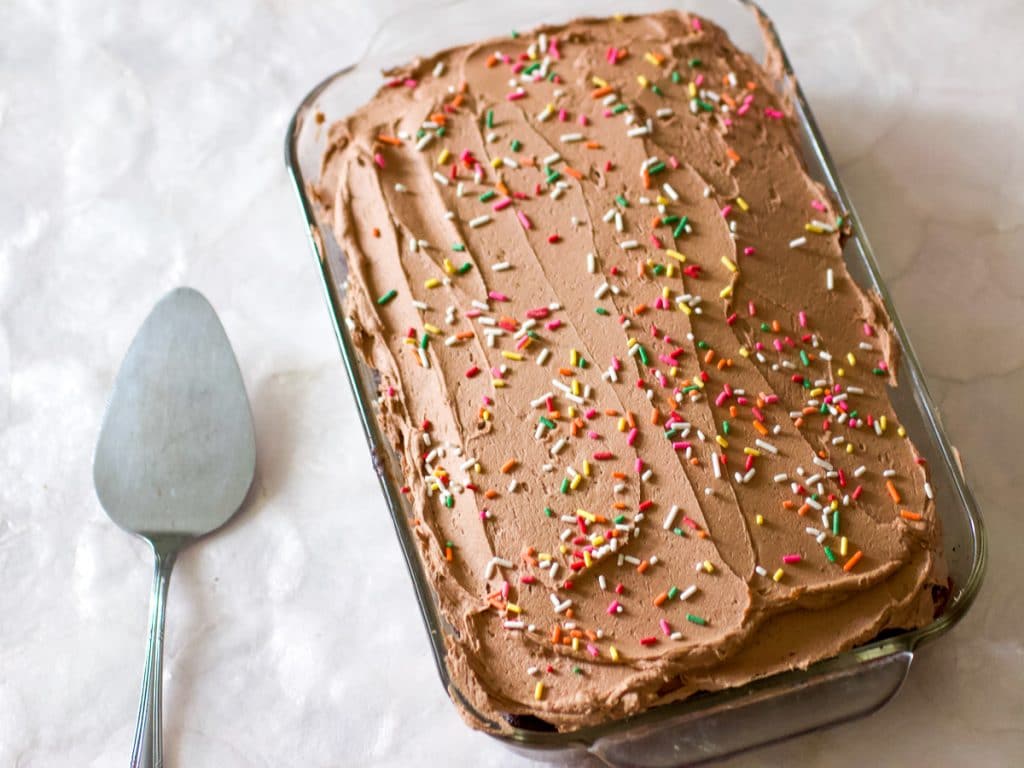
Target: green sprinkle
672,592
549,511
583,362
835,522
669,219
702,345
695,63
690,388
878,372
601,311
830,554
449,501
514,34
577,671
705,106
565,485
656,168
725,427
804,359
619,109
487,195
464,268
643,355
420,133
533,335
440,132
531,68
387,297
547,422
423,340
489,122
823,408
679,532
765,327
516,144
657,90
552,176
449,544
680,227
676,77
622,201
696,620
658,269
458,247
619,519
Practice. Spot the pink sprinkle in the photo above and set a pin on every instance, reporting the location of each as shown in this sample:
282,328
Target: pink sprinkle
726,210
673,161
378,158
720,400
868,330
473,313
563,115
687,521
590,413
774,114
496,372
791,559
758,414
639,464
515,95
666,359
593,435
699,80
771,399
631,437
742,400
749,251
803,318
681,445
487,400
592,650
818,206
613,607
616,365
553,49
522,342
583,120
744,108
607,113
495,296
665,627
524,220
656,240
502,204
554,325
751,309
410,83
504,591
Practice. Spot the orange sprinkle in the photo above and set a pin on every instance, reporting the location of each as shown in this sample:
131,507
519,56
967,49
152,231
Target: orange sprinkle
610,412
463,335
631,419
591,635
490,493
438,119
892,491
760,402
639,309
573,429
656,222
853,561
500,186
448,554
507,466
788,504
392,140
695,461
598,93
554,415
376,232
732,411
776,327
556,634
527,161
702,534
644,565
593,145
619,475
761,428
572,172
457,101
722,363
661,598
565,371
647,179
655,416
709,356
729,100
906,514
576,633
731,154
569,613
492,60
600,519
804,510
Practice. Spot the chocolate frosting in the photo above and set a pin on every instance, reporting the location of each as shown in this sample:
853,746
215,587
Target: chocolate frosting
630,379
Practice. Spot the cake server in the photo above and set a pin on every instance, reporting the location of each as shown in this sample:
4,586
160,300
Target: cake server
174,460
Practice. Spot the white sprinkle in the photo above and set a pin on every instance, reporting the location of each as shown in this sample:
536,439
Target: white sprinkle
558,446
501,266
515,625
811,531
766,446
554,569
618,222
629,245
509,162
479,221
820,538
591,263
423,357
670,191
812,503
546,113
420,305
569,138
439,69
664,112
424,141
860,471
514,484
781,477
402,188
646,476
749,476
551,159
928,490
543,356
601,291
798,242
690,591
563,606
760,571
822,463
670,518
639,131
493,563
889,473
716,466
601,582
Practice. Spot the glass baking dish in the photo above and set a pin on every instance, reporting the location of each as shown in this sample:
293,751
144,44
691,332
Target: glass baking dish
706,726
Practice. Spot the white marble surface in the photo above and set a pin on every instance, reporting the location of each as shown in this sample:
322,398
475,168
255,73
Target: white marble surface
141,149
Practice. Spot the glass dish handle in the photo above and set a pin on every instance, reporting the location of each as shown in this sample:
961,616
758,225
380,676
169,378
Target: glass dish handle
759,716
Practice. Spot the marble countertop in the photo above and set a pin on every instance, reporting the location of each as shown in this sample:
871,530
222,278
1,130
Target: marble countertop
141,148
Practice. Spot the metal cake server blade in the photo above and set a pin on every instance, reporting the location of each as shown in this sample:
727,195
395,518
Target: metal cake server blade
175,458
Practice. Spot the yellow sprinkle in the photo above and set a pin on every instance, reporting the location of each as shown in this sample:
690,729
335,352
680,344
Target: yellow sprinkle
708,566
665,292
849,447
813,228
744,352
742,204
759,519
883,422
725,292
652,59
476,467
575,387
675,254
443,157
751,451
599,82
586,468
575,643
449,268
511,355
670,271
644,82
622,425
673,371
588,516
411,342
544,556
778,575
844,546
901,431
513,607
721,441
631,342
729,264
816,392
586,558
841,372
486,415
433,329
431,283
496,162
498,383
662,200
685,307
562,548
851,359
572,411
576,482
698,384
538,691
597,541
614,652
574,357
692,89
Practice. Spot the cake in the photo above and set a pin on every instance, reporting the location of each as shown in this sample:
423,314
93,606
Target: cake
641,406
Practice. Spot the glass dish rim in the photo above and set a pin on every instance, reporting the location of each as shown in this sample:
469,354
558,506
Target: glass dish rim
905,642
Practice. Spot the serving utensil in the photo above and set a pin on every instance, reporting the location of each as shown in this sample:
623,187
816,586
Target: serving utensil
174,460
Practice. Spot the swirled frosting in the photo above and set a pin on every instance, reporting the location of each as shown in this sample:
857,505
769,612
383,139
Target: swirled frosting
641,405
